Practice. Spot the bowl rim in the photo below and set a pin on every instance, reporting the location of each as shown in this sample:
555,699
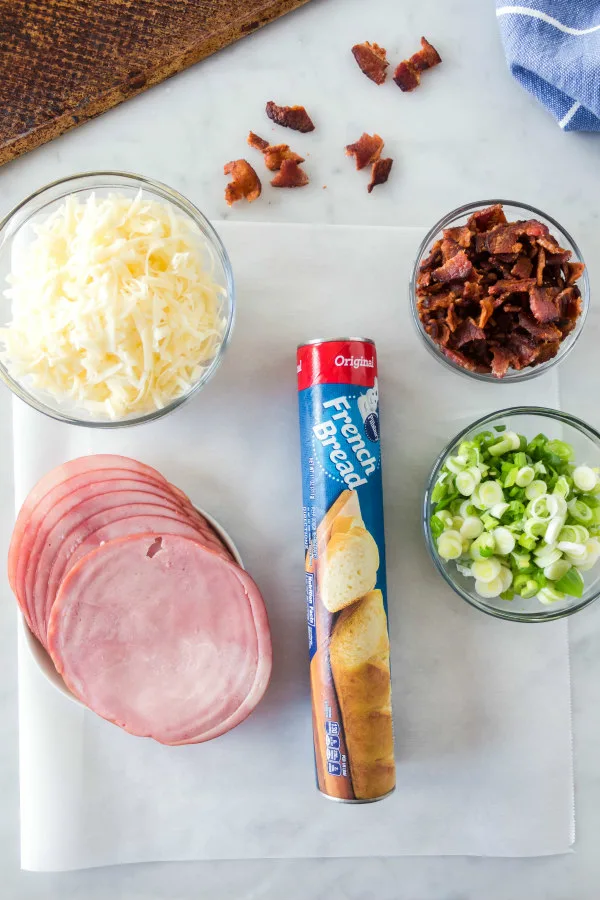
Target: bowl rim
529,372
547,614
158,188
42,658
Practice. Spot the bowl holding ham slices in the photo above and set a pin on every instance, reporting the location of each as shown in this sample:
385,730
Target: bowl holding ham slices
136,604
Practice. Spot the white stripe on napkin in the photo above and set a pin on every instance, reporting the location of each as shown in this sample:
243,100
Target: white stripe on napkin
538,14
569,115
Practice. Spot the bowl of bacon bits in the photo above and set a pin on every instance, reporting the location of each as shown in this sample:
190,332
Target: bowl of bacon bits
499,291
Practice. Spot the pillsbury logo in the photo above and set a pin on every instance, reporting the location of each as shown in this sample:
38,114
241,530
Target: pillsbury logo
368,406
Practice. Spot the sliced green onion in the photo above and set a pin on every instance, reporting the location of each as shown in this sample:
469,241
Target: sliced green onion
490,493
498,509
454,464
505,541
527,542
471,528
489,589
564,451
466,509
521,560
449,545
457,522
585,478
580,511
550,595
535,489
506,577
486,569
483,547
525,586
571,582
553,530
555,571
562,487
574,550
525,476
547,557
465,483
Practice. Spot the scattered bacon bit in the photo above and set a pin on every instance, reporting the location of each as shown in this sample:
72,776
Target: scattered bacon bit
372,61
275,155
366,150
408,74
497,295
294,117
290,175
380,172
257,142
244,184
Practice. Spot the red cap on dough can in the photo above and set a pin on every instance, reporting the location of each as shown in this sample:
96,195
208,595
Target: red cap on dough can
344,546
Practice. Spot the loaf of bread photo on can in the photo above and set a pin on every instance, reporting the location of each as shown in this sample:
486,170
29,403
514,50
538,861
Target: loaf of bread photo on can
359,647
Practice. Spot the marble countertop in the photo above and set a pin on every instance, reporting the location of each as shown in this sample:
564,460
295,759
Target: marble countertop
469,133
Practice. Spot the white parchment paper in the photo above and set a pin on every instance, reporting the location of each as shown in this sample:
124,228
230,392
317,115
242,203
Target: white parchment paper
482,707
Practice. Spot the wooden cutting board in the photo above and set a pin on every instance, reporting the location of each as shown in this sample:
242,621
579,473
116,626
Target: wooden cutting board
65,61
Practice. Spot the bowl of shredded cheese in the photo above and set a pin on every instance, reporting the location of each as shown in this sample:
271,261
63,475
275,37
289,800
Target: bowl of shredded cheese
116,300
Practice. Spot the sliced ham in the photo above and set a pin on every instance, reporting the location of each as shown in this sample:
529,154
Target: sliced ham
57,476
162,637
60,501
102,518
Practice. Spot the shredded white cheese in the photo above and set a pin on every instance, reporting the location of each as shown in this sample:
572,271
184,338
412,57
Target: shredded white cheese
115,306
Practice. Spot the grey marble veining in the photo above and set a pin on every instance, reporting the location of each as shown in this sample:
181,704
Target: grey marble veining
468,133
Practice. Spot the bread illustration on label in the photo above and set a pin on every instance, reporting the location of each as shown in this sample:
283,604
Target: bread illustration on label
348,568
359,653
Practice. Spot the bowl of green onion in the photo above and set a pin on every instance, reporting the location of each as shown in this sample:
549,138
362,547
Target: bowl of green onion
512,514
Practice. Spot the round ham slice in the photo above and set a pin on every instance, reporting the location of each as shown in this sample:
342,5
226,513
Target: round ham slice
114,522
60,475
162,637
60,501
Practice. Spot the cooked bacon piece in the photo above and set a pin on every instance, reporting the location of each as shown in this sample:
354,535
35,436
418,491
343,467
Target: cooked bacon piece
244,184
484,219
462,235
257,142
574,272
487,311
408,74
462,360
290,175
468,331
569,303
294,117
438,331
511,287
522,268
456,269
276,154
452,319
434,259
372,61
406,77
546,332
501,360
542,301
504,290
366,150
380,172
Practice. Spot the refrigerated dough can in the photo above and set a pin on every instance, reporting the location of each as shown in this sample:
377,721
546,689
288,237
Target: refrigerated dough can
344,546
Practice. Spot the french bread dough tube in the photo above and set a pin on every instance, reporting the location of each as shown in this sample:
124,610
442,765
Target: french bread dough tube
345,573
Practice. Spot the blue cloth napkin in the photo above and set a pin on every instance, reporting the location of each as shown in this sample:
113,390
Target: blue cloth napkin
553,50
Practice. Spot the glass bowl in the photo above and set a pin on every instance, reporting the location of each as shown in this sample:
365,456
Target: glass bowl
514,212
529,421
18,225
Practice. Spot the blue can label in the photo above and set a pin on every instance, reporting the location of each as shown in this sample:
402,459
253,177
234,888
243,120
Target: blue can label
346,591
